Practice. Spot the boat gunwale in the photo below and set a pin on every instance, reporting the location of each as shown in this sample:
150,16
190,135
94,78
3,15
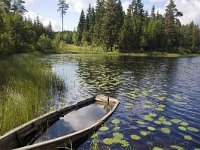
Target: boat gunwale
97,98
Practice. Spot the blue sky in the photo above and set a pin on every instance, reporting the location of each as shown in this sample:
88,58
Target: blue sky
47,10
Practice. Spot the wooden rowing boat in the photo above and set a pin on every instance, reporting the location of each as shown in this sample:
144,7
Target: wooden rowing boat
23,137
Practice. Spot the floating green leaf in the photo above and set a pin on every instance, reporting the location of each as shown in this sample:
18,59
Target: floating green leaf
165,130
118,135
140,122
152,114
108,141
151,128
95,135
116,121
184,123
104,128
116,128
188,137
177,147
176,120
148,118
124,143
135,137
159,109
167,123
148,102
144,133
192,129
157,148
157,122
182,128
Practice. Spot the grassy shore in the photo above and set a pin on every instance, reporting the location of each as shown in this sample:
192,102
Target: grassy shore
73,49
24,90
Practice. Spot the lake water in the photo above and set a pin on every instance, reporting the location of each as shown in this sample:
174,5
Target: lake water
75,121
160,98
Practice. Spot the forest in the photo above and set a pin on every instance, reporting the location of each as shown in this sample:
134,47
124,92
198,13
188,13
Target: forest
106,25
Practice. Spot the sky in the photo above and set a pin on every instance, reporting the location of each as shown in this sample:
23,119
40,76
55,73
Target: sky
47,10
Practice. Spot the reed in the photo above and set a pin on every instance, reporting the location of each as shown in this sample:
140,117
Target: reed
25,90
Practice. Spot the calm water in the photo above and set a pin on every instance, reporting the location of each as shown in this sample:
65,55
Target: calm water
75,121
159,96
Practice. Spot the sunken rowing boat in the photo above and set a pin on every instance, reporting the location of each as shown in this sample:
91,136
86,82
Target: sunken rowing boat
29,135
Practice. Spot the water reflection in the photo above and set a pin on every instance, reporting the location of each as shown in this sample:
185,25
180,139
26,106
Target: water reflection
168,88
76,120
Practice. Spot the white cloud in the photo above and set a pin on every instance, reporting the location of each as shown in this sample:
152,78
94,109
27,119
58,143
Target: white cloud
78,5
125,5
55,25
189,8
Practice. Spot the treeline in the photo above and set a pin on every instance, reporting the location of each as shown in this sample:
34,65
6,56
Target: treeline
22,35
136,30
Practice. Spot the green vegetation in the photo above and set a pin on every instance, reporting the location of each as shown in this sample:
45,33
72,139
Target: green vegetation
136,31
24,90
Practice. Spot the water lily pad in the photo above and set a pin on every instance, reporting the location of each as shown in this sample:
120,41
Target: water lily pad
167,123
177,147
148,118
104,128
108,141
152,114
188,137
135,137
193,129
118,135
159,109
165,130
124,143
148,102
95,135
140,122
157,122
116,128
176,120
182,128
157,148
151,128
184,123
144,133
116,121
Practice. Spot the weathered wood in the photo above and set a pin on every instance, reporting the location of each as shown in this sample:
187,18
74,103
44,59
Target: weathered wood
18,137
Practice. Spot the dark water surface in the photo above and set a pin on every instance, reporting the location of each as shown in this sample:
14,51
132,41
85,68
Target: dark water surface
160,98
75,121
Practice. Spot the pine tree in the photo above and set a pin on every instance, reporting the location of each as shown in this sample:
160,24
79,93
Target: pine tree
80,28
170,24
98,28
111,23
18,7
126,39
62,7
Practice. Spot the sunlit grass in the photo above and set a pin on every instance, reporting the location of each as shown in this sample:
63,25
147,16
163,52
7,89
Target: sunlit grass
25,90
73,49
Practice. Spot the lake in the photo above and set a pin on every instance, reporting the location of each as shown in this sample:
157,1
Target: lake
159,98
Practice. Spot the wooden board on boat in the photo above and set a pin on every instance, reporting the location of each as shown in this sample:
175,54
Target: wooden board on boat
22,137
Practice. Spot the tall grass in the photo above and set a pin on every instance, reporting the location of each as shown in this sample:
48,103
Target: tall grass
25,85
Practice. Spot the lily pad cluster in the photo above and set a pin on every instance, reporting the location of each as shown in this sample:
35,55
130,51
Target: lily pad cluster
116,139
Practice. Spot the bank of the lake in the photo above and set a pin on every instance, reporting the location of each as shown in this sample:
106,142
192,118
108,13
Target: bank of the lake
73,49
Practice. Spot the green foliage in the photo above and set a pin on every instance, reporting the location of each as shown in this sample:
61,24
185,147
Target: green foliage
137,31
44,43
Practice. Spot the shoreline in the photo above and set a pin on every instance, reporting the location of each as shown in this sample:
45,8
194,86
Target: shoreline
89,50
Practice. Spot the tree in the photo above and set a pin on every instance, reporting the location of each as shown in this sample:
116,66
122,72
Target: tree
171,14
98,28
18,7
111,23
80,28
126,39
62,7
